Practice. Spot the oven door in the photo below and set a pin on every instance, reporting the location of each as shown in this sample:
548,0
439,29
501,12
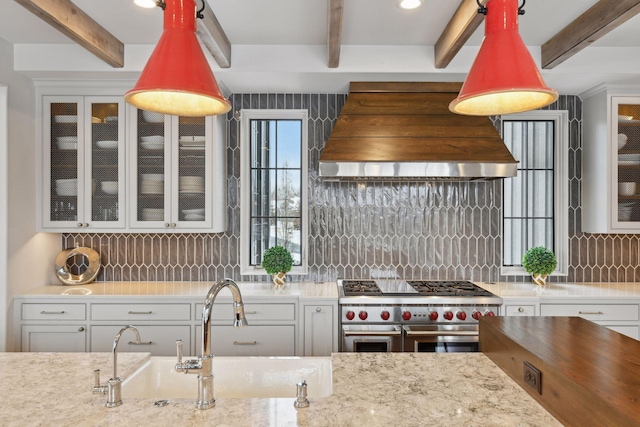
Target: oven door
440,338
371,338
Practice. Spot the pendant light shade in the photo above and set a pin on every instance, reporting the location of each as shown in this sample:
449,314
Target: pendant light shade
177,79
503,78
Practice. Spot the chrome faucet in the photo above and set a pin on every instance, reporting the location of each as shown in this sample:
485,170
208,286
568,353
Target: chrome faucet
202,365
113,389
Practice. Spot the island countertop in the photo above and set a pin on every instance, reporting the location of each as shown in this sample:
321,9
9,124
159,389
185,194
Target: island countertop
372,389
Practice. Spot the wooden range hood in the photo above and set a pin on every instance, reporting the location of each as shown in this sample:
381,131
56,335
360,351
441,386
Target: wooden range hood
404,130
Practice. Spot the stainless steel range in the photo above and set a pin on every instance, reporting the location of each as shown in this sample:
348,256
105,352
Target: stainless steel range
412,315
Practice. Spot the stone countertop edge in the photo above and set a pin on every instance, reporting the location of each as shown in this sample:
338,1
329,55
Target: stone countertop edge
566,291
187,290
372,389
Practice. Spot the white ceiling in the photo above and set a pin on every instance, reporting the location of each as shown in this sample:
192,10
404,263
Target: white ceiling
280,45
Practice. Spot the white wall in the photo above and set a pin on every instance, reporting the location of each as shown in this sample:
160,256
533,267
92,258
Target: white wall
29,255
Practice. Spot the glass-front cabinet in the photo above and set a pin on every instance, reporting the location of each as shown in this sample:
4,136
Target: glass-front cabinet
172,173
609,162
626,143
83,167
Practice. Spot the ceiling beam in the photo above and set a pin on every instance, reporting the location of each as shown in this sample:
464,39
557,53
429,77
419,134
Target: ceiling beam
462,25
213,37
334,31
79,27
601,18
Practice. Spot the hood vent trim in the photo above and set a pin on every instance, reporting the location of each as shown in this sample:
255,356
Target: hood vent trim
405,131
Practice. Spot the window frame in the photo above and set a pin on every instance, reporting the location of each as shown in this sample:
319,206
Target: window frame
561,188
247,115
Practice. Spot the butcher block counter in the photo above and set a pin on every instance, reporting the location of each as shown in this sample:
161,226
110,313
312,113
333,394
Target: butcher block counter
583,373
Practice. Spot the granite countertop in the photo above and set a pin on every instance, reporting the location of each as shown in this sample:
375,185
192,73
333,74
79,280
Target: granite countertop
187,290
568,291
372,389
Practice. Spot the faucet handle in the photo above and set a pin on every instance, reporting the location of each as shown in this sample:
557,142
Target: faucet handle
97,388
179,350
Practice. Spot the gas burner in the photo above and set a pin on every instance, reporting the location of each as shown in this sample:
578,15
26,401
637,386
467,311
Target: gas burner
361,287
447,288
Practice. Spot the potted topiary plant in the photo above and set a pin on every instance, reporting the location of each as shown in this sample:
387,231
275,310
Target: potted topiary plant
540,262
277,261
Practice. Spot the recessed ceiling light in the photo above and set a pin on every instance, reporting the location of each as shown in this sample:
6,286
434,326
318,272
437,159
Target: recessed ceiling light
407,4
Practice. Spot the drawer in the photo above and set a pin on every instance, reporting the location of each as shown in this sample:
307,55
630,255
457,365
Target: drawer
157,340
250,341
595,312
258,312
520,310
630,331
54,312
137,312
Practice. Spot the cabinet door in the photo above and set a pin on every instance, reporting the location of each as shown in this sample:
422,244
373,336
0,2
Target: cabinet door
150,171
318,330
63,156
54,338
191,172
104,162
625,163
155,339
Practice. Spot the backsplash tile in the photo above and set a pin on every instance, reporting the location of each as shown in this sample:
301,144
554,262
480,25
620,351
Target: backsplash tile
420,230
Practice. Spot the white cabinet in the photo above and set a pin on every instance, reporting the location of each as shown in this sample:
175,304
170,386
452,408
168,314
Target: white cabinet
177,172
54,338
159,340
519,310
611,171
83,171
252,340
619,317
320,329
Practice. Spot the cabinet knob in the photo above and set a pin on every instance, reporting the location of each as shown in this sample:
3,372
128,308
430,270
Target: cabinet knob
173,225
520,309
166,224
86,224
81,329
79,225
318,309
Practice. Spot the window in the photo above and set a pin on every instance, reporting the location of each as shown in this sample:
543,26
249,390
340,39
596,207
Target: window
535,203
273,155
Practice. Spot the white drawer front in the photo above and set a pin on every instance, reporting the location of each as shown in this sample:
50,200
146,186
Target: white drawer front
136,312
251,341
520,310
630,331
157,340
53,312
595,312
224,311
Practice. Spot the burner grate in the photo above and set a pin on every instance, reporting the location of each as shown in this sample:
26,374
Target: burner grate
360,287
447,288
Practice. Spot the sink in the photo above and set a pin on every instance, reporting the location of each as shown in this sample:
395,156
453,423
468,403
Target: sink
234,377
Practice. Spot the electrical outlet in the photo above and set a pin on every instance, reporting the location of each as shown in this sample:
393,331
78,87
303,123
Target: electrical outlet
533,377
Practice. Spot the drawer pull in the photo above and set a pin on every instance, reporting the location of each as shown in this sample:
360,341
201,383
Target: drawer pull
140,343
590,312
140,312
245,342
250,312
53,312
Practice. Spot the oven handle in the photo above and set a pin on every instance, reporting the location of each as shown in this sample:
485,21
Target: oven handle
371,333
440,333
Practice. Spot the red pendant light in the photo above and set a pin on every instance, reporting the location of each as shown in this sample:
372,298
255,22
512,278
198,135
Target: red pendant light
177,78
503,78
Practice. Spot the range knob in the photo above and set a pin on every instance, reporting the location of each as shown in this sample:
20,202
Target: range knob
489,313
363,315
350,315
384,315
448,315
461,315
406,315
476,315
433,315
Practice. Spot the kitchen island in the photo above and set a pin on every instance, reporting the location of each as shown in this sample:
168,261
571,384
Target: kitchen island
369,389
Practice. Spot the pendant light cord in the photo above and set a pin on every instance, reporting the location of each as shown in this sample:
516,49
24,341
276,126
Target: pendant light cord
483,9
